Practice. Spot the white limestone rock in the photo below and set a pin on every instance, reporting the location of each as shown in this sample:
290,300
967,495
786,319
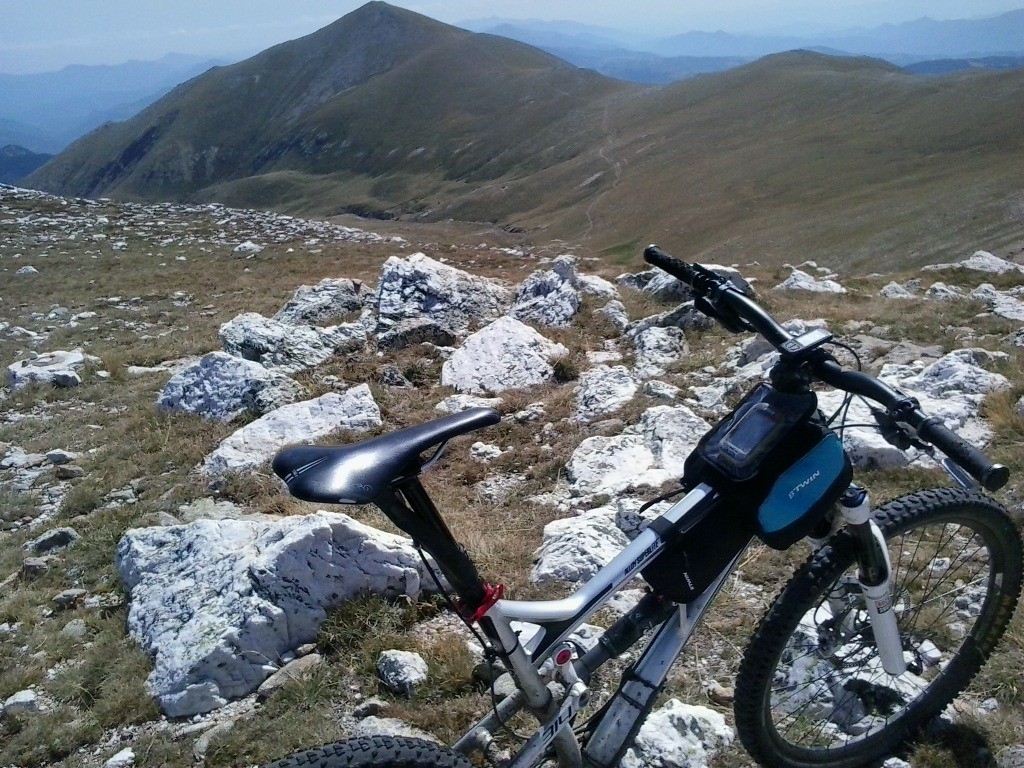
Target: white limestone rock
658,348
894,290
302,422
597,286
1000,303
459,403
248,248
401,671
506,354
677,735
656,283
950,388
645,454
549,297
20,703
573,549
981,261
939,291
217,603
286,347
801,281
123,759
328,299
58,368
603,390
420,287
615,311
223,387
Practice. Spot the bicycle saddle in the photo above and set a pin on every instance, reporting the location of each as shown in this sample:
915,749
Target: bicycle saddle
356,474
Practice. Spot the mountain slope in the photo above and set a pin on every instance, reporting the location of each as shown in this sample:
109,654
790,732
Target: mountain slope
388,114
381,90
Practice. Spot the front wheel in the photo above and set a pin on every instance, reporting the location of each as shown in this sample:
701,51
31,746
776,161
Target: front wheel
811,690
376,751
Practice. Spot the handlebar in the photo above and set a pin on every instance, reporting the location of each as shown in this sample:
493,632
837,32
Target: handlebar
717,297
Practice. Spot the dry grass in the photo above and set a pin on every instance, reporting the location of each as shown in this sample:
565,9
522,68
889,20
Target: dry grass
124,443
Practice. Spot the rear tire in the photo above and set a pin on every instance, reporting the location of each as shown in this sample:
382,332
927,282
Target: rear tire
376,751
811,691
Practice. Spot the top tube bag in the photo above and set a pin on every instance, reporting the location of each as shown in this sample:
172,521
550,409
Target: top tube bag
774,455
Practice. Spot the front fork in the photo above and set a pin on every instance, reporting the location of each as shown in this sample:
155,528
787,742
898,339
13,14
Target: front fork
874,575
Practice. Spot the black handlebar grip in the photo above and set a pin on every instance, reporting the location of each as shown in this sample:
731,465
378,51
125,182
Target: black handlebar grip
678,269
991,476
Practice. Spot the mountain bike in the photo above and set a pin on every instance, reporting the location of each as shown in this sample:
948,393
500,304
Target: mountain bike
885,623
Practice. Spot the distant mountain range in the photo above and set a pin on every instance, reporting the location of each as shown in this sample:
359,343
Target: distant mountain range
388,113
17,162
45,112
662,60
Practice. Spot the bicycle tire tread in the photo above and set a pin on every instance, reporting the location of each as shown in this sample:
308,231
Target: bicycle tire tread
377,751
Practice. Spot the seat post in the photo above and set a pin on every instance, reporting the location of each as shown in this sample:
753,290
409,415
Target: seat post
420,519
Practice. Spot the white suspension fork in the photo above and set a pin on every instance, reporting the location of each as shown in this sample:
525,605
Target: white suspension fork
874,575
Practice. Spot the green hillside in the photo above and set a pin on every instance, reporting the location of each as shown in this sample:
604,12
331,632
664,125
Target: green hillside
389,114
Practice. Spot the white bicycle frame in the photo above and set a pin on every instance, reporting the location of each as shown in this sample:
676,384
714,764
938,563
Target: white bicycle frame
542,659
546,677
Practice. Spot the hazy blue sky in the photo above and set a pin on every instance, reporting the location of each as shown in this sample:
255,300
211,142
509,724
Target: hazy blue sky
42,35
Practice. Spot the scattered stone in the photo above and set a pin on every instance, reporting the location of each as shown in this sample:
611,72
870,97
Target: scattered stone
304,422
329,299
402,671
801,281
661,390
391,376
69,598
53,541
658,348
459,403
1010,757
483,452
28,269
942,292
248,248
981,261
720,694
202,744
389,726
60,369
615,311
549,298
300,668
60,456
286,347
21,703
34,567
507,354
222,387
678,734
603,390
419,287
895,291
896,762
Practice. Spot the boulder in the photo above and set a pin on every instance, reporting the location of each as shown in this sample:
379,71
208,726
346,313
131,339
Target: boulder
329,299
658,348
678,734
950,388
615,311
416,330
507,354
981,261
401,671
217,603
223,387
573,549
999,303
59,369
302,422
459,403
603,390
596,286
801,281
419,287
549,297
286,347
895,291
941,292
645,454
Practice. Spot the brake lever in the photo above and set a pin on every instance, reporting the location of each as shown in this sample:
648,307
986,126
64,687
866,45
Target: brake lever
898,433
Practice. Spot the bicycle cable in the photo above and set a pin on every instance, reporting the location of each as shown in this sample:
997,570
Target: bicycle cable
490,655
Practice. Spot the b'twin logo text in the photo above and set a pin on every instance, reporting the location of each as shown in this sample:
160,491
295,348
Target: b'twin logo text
805,483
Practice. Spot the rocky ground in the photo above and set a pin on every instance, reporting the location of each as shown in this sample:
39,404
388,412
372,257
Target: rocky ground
165,603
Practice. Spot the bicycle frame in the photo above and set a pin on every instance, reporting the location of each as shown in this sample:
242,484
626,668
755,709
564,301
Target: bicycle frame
542,658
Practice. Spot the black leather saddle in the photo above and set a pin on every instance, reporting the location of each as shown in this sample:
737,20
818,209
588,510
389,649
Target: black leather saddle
358,473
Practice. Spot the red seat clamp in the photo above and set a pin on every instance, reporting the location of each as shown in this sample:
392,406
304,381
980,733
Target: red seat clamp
491,596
